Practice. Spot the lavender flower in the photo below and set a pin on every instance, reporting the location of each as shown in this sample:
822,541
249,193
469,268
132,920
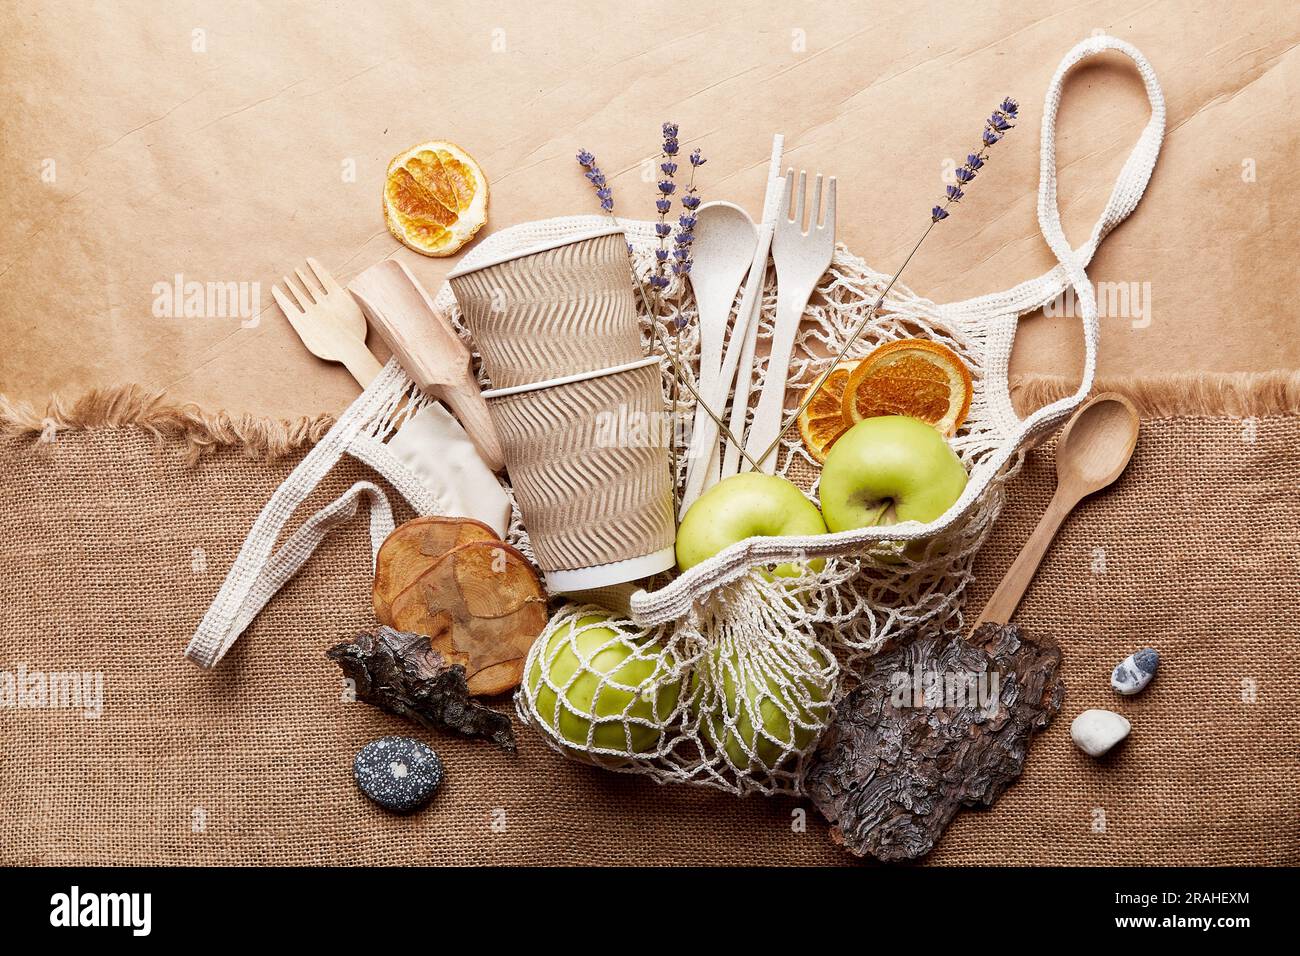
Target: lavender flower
685,237
663,205
597,179
670,139
995,127
686,222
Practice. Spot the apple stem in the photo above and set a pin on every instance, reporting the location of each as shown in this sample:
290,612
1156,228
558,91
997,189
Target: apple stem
879,513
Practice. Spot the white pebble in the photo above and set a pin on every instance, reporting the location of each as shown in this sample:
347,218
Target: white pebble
1096,731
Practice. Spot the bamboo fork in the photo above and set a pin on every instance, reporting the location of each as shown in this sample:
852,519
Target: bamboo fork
328,320
801,259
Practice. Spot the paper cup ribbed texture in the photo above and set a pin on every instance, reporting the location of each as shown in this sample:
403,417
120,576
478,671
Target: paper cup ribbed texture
589,467
553,313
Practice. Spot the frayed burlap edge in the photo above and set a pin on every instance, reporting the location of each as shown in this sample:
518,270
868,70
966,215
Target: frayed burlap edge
1184,395
1237,394
134,406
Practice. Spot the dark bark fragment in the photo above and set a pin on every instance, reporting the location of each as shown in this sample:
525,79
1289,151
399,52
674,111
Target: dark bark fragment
404,675
889,776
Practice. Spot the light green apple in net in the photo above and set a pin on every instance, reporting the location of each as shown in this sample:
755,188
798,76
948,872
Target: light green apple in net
778,710
889,469
745,506
635,686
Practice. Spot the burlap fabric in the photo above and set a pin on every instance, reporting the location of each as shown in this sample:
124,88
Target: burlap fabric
113,546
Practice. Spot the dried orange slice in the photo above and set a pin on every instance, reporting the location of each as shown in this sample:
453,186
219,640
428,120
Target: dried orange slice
822,422
435,198
913,377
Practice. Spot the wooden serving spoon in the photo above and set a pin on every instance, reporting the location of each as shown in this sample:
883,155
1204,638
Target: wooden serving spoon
427,348
1091,453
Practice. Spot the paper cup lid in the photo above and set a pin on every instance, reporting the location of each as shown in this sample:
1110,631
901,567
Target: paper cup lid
465,268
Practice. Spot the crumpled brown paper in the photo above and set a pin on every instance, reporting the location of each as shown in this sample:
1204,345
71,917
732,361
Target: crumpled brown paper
225,142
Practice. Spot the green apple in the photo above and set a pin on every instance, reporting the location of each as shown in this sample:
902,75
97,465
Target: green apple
632,687
756,705
745,506
889,469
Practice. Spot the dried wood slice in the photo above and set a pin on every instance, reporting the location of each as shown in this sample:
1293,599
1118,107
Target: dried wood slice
415,547
481,606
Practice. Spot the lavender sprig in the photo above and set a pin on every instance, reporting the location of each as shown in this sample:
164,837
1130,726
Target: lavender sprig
681,268
604,192
663,206
995,127
682,258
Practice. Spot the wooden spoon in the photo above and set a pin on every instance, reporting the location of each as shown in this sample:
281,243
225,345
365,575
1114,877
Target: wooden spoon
428,348
1092,451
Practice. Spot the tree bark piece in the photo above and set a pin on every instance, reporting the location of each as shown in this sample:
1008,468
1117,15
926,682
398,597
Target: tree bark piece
889,775
405,675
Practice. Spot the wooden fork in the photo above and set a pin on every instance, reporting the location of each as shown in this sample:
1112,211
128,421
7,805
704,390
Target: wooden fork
328,320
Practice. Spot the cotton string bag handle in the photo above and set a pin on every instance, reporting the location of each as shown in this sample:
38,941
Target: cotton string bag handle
247,586
260,569
997,315
1000,310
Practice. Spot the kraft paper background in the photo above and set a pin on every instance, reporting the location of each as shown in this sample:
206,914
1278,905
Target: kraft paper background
225,142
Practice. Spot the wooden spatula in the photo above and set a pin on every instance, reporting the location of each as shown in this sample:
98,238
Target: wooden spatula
428,348
1091,453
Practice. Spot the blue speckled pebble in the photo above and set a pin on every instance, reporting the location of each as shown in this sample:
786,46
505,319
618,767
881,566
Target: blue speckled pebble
1134,673
398,773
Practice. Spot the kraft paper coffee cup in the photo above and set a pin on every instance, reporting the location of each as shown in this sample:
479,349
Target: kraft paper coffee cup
552,310
588,461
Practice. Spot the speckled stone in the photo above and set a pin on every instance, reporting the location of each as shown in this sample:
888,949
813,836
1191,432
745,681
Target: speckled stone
1096,731
1134,673
398,773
